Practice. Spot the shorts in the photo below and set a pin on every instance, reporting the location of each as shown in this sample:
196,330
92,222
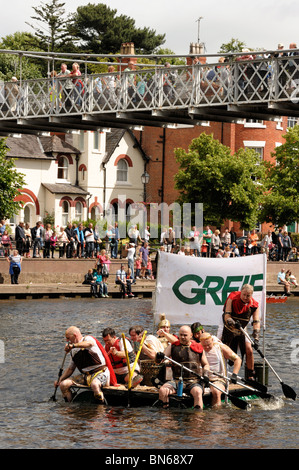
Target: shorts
103,376
187,386
144,263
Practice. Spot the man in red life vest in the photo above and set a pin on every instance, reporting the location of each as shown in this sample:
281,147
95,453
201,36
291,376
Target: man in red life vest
190,354
88,355
238,310
114,347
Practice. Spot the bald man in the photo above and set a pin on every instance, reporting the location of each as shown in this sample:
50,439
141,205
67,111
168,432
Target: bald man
190,354
90,358
217,354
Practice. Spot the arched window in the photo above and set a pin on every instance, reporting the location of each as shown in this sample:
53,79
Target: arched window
63,166
122,171
78,211
65,213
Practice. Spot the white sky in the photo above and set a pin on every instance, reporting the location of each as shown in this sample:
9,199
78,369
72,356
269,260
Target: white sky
258,23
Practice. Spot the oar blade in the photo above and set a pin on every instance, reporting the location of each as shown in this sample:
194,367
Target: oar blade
288,391
239,403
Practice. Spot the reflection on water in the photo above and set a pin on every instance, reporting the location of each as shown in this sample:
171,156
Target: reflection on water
33,336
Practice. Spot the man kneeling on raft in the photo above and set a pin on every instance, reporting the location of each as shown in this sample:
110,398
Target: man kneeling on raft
88,355
217,354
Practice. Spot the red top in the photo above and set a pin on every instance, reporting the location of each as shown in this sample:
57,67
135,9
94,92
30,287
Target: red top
238,306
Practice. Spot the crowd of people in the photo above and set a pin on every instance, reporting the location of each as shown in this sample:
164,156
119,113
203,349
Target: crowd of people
196,357
214,244
68,88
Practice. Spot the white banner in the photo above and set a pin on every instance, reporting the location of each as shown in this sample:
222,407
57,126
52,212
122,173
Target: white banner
191,289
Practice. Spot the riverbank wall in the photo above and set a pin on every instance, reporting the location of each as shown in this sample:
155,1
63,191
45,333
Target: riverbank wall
63,277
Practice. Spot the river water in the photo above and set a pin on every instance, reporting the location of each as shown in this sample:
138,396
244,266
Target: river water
32,342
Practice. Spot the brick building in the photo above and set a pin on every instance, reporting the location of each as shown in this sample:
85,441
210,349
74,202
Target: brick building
159,144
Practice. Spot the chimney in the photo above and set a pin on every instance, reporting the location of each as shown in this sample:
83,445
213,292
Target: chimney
198,49
127,48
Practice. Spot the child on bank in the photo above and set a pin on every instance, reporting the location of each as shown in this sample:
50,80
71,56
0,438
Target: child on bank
53,242
138,267
149,270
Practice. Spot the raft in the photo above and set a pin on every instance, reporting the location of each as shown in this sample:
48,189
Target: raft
146,396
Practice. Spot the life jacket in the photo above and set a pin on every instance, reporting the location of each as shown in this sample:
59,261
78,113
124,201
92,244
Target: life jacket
85,358
118,362
241,311
189,356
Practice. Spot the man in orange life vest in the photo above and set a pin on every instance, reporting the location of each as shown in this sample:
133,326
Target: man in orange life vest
238,310
187,352
114,347
89,356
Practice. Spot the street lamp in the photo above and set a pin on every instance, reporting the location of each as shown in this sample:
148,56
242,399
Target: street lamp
145,178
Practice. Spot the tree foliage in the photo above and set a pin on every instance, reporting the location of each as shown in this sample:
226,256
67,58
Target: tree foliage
281,201
234,45
11,181
229,186
10,64
102,31
52,30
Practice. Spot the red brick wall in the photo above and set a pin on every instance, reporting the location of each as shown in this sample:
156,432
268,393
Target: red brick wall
231,135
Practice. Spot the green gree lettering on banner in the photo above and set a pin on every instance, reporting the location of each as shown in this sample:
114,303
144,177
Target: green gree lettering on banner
215,286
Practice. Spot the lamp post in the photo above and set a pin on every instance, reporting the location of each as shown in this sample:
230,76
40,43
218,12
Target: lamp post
145,177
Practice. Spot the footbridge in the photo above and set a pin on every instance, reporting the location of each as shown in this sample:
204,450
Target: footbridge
145,90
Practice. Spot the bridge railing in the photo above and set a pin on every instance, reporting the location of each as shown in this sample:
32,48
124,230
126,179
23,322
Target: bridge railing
236,81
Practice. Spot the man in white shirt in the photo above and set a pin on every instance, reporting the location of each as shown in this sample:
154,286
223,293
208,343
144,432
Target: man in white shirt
89,238
130,256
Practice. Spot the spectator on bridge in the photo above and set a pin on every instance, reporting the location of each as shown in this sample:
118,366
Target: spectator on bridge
293,66
65,86
54,92
109,85
78,91
131,80
12,94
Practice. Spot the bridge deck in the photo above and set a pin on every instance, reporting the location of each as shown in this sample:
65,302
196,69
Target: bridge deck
265,87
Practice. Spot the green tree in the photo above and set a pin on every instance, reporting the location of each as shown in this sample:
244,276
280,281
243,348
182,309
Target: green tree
234,45
11,181
101,31
10,64
229,186
281,201
52,29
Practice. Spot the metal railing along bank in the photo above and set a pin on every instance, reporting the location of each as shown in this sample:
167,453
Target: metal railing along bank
264,79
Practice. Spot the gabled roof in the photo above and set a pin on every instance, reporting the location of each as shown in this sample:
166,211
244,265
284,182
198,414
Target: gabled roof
56,144
35,147
112,141
27,146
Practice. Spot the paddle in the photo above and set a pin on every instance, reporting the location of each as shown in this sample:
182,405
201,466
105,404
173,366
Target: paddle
53,397
131,371
235,400
256,391
252,383
287,390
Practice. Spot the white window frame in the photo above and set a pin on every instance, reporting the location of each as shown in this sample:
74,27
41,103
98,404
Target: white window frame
64,168
122,171
255,123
